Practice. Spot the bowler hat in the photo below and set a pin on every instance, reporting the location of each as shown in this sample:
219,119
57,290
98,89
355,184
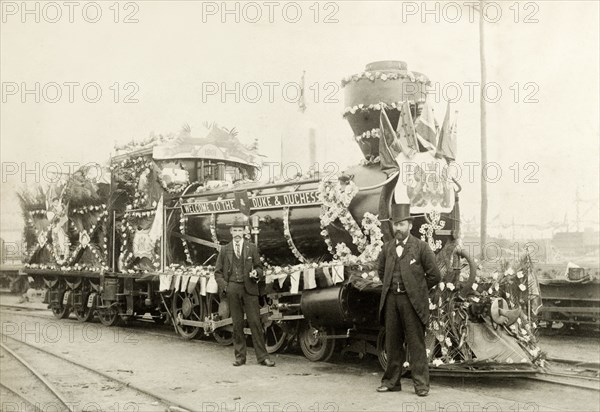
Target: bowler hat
239,221
400,212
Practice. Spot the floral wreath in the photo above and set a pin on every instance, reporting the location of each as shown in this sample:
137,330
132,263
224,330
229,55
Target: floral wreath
128,234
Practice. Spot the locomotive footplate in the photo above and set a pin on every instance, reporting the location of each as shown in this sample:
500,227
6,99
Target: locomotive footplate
210,325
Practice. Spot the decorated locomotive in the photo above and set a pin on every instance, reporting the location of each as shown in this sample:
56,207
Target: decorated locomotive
143,242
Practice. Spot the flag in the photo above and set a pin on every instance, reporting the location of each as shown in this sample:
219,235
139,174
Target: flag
387,154
295,280
448,135
406,131
309,279
338,274
535,298
211,285
426,125
157,225
242,202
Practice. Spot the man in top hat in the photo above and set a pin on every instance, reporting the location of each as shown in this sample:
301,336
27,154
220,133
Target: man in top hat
408,269
238,272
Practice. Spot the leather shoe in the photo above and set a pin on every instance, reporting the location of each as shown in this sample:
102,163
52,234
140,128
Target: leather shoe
386,389
422,392
267,362
239,363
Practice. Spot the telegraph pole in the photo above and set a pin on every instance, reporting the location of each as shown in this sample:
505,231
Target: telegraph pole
484,199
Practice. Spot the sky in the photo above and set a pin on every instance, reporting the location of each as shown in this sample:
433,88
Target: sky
156,70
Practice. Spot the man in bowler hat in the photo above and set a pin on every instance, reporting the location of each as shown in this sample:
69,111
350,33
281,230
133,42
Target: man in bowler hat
239,274
408,269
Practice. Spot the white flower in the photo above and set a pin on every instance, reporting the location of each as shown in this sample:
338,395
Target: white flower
364,276
509,272
448,342
519,274
376,279
522,287
474,286
450,286
405,365
495,275
437,362
442,286
427,351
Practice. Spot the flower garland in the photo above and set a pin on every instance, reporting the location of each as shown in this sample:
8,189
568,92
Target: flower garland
369,134
213,228
84,241
87,209
428,229
372,76
182,223
336,198
129,172
376,106
288,236
174,188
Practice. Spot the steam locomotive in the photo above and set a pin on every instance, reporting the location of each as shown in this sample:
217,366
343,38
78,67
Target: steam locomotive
142,242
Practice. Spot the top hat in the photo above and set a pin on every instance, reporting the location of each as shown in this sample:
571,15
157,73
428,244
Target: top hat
400,212
239,221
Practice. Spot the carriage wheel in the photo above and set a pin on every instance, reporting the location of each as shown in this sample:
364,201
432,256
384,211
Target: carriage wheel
109,317
187,306
224,335
85,313
314,348
275,337
61,311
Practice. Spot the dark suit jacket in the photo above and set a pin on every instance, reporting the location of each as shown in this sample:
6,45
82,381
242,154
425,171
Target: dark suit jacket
250,259
418,277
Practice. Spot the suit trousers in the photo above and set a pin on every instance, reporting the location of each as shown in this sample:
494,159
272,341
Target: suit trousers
241,302
402,324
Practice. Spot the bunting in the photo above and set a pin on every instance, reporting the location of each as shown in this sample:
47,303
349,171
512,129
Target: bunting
426,126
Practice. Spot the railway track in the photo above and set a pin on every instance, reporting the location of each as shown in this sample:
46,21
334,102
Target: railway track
566,372
59,383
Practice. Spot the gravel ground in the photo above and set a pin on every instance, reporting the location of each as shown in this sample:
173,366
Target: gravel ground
199,374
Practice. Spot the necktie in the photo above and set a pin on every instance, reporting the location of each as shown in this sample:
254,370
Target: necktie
237,249
399,249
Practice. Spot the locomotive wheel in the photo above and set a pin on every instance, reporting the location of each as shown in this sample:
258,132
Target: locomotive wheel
224,335
313,348
275,337
109,317
188,306
382,354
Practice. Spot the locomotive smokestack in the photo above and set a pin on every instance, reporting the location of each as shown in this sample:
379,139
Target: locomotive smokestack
383,84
